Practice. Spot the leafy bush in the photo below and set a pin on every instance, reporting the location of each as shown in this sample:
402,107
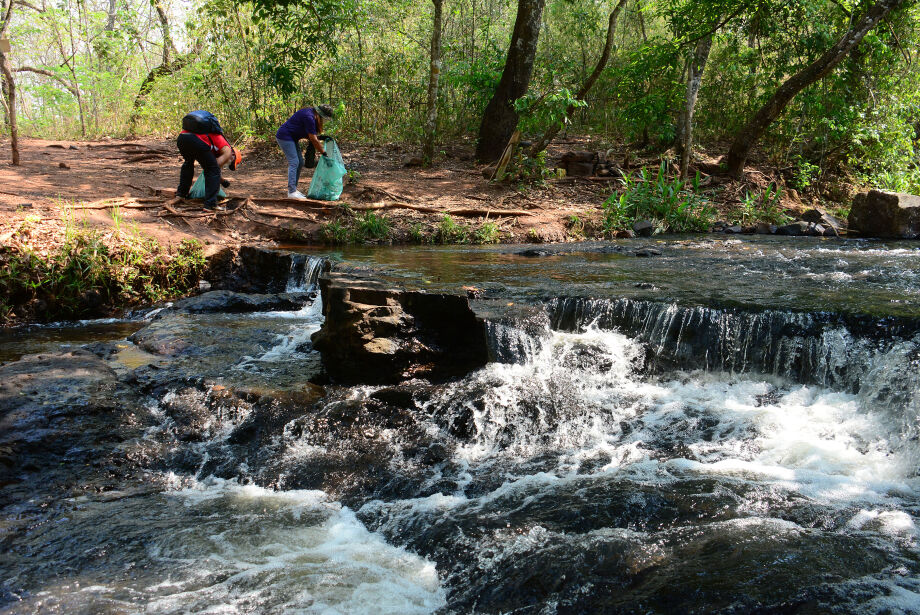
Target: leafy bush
762,206
488,232
449,231
676,205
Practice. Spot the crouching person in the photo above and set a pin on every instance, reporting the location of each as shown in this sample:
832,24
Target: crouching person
202,140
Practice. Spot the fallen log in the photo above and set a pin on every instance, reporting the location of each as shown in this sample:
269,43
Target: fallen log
147,156
278,214
462,212
294,202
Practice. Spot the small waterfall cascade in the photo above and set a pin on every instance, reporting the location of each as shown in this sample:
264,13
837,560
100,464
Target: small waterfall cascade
305,271
876,358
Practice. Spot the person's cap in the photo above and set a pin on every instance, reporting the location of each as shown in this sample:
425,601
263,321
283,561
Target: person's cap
325,112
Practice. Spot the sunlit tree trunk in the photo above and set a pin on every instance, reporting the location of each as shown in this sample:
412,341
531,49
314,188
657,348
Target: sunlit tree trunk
431,120
167,65
5,17
751,132
499,120
685,121
553,130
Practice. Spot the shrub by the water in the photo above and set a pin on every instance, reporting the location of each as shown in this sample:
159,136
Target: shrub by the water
90,274
674,204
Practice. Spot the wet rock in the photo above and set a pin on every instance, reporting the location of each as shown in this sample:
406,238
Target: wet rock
643,228
378,334
254,270
794,229
534,252
60,414
225,301
733,229
413,161
646,252
763,228
816,230
886,215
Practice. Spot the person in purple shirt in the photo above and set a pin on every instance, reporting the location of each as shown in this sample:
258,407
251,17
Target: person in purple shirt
304,124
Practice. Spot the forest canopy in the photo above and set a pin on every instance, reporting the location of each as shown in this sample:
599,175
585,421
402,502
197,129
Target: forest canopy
621,71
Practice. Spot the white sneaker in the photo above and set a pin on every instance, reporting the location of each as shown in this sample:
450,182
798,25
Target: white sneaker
297,195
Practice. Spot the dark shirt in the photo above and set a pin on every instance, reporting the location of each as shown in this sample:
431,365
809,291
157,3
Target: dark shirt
298,126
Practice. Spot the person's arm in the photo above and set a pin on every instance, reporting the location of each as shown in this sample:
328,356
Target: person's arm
224,156
224,152
317,144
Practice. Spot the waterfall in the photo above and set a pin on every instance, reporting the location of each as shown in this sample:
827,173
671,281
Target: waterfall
305,271
876,358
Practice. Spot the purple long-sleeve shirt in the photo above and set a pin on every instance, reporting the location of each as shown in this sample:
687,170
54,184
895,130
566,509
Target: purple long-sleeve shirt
298,126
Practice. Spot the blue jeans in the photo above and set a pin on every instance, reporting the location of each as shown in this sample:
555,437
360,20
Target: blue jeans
295,161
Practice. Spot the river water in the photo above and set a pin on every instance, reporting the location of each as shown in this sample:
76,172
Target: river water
730,426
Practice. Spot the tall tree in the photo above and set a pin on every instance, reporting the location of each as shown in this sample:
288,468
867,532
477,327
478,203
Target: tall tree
553,130
500,119
6,16
167,64
695,69
431,118
754,129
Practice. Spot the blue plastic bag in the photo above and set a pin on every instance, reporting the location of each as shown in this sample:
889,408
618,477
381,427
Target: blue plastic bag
326,184
197,191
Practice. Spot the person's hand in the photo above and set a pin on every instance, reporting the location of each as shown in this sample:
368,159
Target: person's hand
324,152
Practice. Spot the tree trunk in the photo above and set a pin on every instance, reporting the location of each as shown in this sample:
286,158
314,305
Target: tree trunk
751,132
685,121
5,18
431,120
500,119
553,130
166,67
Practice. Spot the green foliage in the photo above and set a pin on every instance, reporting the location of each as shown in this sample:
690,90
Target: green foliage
576,227
356,229
370,226
253,64
449,231
537,113
87,276
525,169
488,232
335,232
672,203
417,233
763,206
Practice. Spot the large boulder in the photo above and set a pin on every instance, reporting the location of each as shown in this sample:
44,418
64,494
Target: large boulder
886,215
376,334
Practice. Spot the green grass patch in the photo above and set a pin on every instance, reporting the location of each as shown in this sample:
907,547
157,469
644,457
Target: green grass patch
90,274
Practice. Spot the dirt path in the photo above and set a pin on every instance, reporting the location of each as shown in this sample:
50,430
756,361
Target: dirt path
61,180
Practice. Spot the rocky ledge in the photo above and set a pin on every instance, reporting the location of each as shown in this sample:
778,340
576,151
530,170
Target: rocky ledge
377,334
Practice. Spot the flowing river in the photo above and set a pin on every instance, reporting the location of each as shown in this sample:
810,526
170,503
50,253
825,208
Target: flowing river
710,426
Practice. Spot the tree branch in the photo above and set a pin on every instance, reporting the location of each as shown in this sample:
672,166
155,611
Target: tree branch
46,73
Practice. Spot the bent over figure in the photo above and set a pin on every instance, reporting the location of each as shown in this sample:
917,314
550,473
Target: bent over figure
202,141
